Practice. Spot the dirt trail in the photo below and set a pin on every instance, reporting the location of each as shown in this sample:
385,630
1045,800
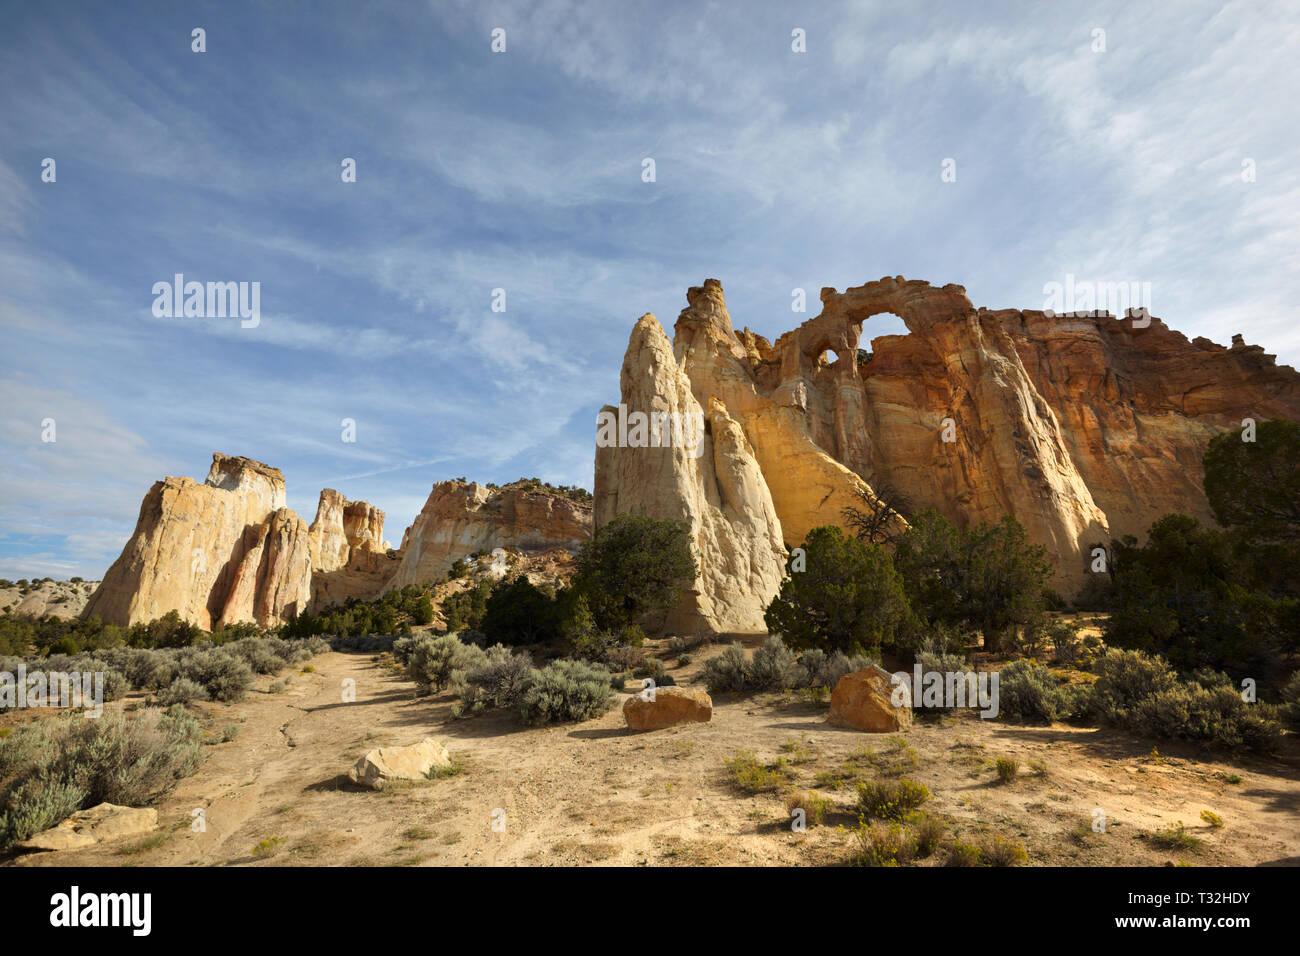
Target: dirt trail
593,793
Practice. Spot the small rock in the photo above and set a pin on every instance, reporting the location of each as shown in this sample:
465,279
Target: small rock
862,700
671,705
399,763
99,824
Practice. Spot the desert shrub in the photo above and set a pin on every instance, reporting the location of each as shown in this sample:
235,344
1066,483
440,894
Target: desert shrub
728,671
773,665
879,844
1209,677
1076,701
46,764
402,648
847,597
367,643
1008,768
651,667
623,657
1046,637
258,654
9,664
148,670
933,655
891,799
1290,701
928,831
1031,640
116,684
317,644
224,676
816,668
1028,691
1214,715
292,652
1124,678
814,806
435,663
1142,694
498,682
182,691
998,850
268,847
566,690
750,775
1176,837
630,635
1212,818
684,659
278,687
962,854
1063,638
35,805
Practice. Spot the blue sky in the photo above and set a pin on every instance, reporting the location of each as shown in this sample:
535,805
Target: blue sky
522,170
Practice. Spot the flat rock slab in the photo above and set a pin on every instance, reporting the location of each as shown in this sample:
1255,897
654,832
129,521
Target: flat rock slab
671,705
399,763
99,824
862,700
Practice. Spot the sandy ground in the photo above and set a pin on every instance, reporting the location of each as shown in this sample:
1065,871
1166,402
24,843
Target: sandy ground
594,793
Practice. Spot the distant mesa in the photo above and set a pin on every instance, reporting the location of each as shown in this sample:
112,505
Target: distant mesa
228,550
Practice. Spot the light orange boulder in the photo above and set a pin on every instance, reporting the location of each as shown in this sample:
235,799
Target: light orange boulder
415,762
98,824
863,700
670,705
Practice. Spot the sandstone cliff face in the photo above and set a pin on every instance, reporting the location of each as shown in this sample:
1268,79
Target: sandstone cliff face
461,518
228,550
272,578
342,528
1083,428
717,489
